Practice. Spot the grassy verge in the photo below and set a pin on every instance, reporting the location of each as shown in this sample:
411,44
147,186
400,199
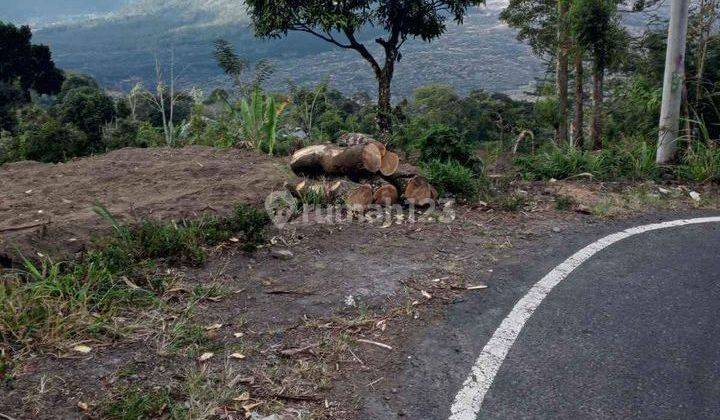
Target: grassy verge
48,304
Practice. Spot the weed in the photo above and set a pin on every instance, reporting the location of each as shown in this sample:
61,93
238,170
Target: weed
513,202
136,404
51,302
564,203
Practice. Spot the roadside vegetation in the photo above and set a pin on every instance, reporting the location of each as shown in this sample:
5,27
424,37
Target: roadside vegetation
46,303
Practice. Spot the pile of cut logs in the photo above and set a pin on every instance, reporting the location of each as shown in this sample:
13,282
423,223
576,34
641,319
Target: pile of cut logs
360,171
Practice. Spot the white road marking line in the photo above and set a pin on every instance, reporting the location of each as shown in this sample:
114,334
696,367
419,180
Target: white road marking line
470,398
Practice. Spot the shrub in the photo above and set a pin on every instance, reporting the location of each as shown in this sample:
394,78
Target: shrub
122,133
444,143
87,108
452,177
11,148
149,136
52,141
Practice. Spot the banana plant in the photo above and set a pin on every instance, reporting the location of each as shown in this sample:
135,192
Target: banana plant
259,120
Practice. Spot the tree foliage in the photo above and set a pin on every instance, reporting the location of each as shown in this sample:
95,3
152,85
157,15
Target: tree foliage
28,64
340,23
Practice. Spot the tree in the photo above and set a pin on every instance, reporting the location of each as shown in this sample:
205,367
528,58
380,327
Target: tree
31,66
562,69
235,68
597,29
579,113
673,81
89,110
339,23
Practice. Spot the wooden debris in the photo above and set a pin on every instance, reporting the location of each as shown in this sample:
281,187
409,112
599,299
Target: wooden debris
374,343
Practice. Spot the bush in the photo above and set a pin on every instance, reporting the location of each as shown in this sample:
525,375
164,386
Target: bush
178,242
123,133
452,177
445,143
11,149
87,108
54,142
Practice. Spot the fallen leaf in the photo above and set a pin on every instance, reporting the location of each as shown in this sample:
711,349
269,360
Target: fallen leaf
238,356
83,406
234,240
426,294
238,334
82,349
213,327
249,407
206,356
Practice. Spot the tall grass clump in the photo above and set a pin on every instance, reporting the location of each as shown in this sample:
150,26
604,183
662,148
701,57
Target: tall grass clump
632,159
701,163
555,162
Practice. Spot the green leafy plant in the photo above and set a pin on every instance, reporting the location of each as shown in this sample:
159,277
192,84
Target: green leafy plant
452,177
259,121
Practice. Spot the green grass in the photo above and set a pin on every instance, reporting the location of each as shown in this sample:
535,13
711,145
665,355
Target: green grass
632,159
137,404
47,303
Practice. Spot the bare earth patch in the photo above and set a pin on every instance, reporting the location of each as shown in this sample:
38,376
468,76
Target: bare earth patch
48,208
309,334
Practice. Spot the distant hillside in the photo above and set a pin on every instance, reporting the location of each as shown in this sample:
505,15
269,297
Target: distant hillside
120,49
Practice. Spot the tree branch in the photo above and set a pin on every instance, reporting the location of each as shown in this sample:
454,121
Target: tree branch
327,37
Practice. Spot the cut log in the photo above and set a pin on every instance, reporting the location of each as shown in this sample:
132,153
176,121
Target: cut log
321,189
355,196
363,159
404,170
355,139
386,195
389,164
419,192
308,160
355,161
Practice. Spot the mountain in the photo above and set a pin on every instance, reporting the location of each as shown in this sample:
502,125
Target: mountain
42,12
119,48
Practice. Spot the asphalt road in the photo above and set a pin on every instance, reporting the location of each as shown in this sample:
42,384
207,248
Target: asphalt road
632,333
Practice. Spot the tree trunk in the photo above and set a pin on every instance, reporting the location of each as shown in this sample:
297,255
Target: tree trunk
384,115
673,82
562,70
578,122
597,109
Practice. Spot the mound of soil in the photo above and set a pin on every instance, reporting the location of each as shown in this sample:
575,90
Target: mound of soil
48,207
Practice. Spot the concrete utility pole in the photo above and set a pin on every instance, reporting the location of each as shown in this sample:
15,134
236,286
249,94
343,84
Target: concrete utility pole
673,82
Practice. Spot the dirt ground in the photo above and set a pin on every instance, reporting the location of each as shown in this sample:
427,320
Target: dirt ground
319,330
48,208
